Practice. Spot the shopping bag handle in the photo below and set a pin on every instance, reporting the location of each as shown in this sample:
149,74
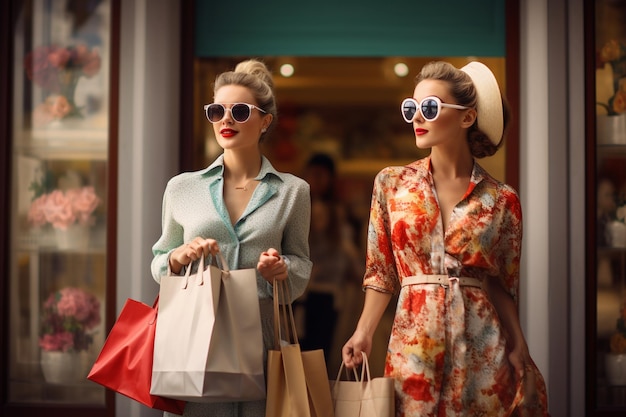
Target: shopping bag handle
341,368
281,292
199,274
365,369
200,271
222,264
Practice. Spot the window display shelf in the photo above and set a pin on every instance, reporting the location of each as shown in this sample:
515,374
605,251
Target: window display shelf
51,240
64,144
607,150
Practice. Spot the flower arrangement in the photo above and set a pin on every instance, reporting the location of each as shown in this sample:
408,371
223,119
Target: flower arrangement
64,208
69,317
614,53
57,71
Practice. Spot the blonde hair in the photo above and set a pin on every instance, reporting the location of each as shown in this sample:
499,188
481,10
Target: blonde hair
463,90
256,77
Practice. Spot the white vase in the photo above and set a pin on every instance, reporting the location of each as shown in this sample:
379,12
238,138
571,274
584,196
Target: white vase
74,237
65,367
617,234
611,130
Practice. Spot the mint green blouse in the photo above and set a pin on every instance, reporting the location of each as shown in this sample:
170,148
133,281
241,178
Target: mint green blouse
277,216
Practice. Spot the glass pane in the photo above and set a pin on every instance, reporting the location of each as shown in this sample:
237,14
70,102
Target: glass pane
611,202
58,200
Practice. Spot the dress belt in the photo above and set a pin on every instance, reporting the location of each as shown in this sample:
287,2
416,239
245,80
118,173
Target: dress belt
443,280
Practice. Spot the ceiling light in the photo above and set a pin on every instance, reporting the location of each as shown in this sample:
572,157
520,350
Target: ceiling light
286,70
401,69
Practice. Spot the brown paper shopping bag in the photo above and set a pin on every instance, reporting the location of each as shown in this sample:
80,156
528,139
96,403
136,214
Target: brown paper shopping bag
363,397
297,382
208,337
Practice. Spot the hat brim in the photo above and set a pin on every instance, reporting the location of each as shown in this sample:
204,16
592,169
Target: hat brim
489,101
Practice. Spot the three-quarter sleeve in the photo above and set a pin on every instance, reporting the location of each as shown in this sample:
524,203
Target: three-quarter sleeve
295,242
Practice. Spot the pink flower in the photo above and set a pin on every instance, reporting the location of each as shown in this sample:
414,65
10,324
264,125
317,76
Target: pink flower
39,70
58,106
58,210
83,306
36,211
69,317
63,209
62,341
58,57
84,201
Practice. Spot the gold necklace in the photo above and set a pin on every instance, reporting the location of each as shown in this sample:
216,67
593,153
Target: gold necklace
243,187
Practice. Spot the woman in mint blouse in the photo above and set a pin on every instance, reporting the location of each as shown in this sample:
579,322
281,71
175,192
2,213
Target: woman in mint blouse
240,206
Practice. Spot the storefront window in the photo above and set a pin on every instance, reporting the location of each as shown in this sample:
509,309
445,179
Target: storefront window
58,201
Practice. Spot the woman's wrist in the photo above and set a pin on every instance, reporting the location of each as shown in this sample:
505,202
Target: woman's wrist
175,267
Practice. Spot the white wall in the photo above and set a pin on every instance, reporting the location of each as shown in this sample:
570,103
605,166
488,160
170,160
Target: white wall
533,179
552,190
148,146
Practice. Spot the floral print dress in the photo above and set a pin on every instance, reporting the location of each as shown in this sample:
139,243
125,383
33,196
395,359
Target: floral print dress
447,349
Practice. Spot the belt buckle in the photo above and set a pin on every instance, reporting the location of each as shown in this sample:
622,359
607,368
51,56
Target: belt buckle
444,282
450,278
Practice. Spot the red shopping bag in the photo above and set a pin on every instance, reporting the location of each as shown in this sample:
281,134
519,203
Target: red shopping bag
125,361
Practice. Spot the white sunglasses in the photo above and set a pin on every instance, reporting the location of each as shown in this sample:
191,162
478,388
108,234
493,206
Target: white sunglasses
430,107
240,112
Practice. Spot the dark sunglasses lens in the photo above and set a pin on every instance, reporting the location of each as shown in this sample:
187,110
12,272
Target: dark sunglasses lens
240,112
215,112
409,108
430,108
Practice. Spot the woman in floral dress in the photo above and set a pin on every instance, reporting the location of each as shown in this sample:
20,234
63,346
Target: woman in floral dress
448,237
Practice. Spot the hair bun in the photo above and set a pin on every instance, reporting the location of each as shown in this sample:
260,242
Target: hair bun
256,68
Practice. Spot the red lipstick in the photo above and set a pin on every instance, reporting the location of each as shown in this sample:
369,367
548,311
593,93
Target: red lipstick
227,133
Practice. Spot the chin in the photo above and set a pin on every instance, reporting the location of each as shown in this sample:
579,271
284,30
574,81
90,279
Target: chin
423,144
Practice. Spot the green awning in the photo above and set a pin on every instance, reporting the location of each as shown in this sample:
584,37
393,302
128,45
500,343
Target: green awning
350,28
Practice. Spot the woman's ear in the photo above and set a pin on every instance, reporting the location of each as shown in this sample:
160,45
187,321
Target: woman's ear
469,118
267,121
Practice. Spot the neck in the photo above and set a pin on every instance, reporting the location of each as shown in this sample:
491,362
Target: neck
451,165
241,167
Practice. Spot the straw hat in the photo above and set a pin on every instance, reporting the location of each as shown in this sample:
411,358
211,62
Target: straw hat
489,107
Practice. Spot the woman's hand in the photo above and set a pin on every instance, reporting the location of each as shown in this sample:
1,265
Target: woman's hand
520,359
351,352
192,251
525,374
272,266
